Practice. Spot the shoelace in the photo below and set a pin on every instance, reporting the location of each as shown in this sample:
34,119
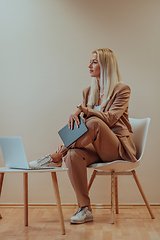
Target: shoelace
79,210
44,160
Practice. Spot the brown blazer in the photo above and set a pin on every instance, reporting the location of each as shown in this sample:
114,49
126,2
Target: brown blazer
115,115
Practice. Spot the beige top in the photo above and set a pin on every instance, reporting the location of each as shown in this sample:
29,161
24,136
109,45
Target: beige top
97,108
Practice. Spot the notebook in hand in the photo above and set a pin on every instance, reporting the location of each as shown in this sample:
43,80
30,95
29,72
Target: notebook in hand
69,136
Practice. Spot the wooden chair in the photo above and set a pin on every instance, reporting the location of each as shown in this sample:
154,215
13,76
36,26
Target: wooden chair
120,167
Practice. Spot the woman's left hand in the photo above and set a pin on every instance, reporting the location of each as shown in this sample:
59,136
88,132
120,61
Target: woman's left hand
59,148
74,117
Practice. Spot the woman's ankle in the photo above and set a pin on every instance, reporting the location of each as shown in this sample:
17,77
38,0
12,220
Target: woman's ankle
56,157
89,207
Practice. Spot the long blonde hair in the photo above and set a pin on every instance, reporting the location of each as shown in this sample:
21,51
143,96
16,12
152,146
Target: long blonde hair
109,77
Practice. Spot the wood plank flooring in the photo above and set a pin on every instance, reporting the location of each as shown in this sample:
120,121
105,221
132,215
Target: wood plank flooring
130,224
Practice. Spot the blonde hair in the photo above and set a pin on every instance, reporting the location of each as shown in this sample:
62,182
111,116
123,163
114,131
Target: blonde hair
109,77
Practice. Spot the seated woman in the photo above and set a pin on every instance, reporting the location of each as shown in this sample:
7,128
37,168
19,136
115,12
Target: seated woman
109,137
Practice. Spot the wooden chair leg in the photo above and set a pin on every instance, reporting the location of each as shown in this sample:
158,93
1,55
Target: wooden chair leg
25,189
1,183
58,200
142,193
116,194
92,179
112,196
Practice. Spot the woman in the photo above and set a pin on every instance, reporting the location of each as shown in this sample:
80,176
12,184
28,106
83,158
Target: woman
109,136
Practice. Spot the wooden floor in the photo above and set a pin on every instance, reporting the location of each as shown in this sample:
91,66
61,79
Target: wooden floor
130,224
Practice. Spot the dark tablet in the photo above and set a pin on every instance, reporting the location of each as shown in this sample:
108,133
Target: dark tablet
69,136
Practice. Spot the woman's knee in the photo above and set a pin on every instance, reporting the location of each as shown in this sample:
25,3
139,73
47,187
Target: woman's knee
93,122
73,157
97,124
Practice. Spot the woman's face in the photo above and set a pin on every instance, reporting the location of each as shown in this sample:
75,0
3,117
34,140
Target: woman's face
94,66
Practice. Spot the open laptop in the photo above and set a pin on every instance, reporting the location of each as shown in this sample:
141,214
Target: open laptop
14,154
69,136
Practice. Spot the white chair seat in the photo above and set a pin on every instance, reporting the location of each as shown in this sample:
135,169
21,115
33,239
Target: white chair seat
116,166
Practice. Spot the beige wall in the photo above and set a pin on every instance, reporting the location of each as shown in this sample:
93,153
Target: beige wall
44,53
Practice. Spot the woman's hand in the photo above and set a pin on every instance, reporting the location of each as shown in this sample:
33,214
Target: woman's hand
59,148
74,117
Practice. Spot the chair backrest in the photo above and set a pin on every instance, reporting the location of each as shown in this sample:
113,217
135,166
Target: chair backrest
140,130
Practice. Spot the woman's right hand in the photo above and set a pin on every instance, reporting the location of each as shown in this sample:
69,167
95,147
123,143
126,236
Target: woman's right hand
74,117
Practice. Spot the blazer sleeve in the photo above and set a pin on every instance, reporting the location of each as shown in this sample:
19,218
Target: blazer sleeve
117,108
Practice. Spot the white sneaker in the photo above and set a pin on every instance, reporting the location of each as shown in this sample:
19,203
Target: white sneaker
46,161
82,215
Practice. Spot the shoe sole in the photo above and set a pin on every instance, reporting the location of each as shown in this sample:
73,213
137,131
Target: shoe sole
80,222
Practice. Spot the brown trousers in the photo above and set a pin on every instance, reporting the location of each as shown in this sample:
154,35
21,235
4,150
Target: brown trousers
97,145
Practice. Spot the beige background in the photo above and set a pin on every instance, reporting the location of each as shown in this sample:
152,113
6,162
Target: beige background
44,54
